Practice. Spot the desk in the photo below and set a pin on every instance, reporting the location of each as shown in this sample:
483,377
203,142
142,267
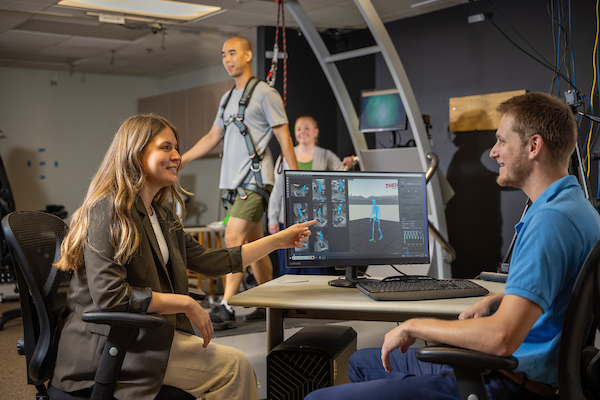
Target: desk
309,296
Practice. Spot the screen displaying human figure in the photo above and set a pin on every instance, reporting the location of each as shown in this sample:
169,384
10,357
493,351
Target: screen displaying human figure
363,218
375,218
340,190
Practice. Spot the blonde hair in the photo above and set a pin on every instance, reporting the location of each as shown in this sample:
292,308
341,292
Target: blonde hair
311,120
119,178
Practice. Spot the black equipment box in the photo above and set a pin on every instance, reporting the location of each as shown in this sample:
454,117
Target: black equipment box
315,357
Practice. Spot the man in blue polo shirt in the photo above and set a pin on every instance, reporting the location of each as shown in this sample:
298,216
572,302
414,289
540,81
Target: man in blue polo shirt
535,139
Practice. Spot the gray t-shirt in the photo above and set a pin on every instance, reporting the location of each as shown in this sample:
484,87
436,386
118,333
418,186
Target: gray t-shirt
264,111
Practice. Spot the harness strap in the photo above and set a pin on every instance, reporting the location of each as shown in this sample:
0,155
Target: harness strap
229,197
244,101
256,158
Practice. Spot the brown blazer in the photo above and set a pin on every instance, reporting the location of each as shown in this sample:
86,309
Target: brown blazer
101,284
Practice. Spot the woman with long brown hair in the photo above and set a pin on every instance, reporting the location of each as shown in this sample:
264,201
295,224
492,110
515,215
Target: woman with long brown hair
128,251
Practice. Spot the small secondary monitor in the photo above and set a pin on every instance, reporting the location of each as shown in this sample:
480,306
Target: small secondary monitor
363,218
381,111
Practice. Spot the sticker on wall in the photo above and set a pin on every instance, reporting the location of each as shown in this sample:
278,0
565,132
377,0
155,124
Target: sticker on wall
42,163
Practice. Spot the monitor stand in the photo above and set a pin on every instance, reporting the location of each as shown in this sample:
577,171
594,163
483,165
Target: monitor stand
351,278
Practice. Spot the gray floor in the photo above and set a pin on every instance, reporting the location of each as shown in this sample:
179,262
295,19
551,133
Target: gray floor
254,345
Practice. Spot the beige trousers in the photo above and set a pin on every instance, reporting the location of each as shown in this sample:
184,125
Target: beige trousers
215,373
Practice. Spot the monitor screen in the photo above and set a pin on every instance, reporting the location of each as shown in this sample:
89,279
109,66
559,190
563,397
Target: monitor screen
381,110
363,218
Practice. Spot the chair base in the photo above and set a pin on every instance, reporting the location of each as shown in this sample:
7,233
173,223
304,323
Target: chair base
8,315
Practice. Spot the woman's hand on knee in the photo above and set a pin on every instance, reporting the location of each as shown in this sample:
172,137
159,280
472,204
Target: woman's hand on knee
201,319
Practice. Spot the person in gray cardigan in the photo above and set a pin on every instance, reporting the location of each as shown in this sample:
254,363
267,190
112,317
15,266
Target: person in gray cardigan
310,157
128,252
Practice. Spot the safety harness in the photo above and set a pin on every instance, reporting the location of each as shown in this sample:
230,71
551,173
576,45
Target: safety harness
256,158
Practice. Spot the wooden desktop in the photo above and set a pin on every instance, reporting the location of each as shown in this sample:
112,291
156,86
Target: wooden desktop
310,296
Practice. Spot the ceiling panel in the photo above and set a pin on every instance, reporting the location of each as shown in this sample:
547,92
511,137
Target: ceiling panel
346,17
40,34
10,19
80,42
25,5
5,62
28,42
71,52
57,66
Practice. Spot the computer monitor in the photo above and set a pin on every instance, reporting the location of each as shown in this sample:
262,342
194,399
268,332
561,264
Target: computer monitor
363,218
381,111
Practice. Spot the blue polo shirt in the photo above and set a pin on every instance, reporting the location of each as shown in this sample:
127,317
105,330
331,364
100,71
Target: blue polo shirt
553,240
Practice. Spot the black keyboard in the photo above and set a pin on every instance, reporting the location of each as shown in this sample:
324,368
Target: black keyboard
417,287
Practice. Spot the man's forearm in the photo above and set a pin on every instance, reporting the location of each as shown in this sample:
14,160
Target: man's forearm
500,333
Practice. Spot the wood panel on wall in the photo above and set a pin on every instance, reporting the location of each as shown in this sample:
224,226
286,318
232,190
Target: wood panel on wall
478,112
192,111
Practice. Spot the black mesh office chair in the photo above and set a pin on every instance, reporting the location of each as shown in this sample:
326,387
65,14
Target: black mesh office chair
7,205
579,359
34,240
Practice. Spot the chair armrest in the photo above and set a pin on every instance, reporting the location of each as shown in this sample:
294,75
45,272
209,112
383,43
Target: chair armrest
197,294
456,356
125,319
123,327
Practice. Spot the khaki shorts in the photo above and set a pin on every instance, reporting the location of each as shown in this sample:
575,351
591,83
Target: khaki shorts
250,209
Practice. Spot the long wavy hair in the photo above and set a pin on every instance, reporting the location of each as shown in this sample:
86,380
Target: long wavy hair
119,178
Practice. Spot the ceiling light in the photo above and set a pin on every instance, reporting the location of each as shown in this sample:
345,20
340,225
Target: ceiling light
423,3
151,8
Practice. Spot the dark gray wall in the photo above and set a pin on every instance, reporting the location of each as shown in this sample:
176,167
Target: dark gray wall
309,92
444,57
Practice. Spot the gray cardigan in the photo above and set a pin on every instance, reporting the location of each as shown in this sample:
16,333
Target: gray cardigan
323,160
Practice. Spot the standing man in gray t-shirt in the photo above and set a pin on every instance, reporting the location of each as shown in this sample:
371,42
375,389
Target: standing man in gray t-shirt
264,117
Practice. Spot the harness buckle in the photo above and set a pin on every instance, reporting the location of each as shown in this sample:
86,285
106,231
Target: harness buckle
255,169
229,120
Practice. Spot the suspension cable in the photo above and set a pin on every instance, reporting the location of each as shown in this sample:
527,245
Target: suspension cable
271,76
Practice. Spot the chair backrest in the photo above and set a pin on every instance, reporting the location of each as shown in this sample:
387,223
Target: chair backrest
34,240
579,360
7,202
7,205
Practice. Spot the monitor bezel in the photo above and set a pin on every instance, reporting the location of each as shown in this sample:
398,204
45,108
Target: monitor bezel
360,261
